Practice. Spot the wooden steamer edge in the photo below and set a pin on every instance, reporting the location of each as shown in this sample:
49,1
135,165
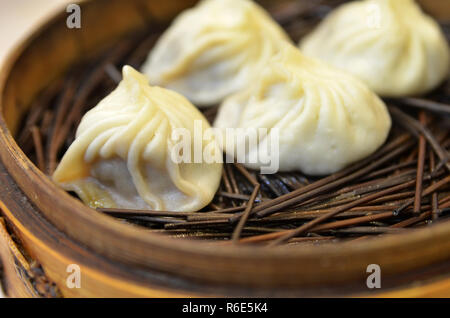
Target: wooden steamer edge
107,273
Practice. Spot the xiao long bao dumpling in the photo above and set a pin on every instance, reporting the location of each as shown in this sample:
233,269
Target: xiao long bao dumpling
390,44
214,50
326,119
122,154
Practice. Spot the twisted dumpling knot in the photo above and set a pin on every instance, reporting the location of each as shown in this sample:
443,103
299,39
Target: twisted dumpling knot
390,44
214,50
325,118
122,154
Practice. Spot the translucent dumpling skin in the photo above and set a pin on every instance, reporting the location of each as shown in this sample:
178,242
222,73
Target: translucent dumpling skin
326,118
214,49
390,44
121,157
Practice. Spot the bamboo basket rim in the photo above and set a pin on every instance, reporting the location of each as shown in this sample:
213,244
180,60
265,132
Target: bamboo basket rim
107,235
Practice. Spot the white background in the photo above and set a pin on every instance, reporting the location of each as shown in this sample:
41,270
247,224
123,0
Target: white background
17,18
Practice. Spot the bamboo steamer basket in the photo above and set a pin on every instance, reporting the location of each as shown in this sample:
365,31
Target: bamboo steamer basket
44,230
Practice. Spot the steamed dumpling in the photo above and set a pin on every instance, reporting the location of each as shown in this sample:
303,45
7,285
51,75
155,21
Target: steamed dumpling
390,44
122,154
214,50
326,118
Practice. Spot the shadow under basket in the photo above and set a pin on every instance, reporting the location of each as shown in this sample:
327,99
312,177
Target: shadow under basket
47,235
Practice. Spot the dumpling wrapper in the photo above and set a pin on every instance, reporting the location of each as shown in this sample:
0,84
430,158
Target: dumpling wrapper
214,49
121,157
326,118
390,44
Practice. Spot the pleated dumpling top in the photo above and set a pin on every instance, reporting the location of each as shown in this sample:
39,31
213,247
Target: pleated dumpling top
326,118
122,156
392,45
214,49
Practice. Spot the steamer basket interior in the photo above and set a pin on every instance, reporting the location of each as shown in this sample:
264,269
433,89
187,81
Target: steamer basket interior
151,264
